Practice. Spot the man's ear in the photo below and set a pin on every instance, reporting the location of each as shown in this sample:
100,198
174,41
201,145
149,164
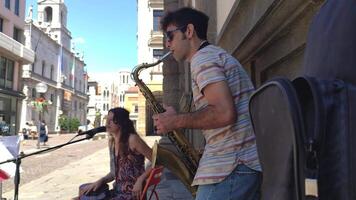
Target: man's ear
190,31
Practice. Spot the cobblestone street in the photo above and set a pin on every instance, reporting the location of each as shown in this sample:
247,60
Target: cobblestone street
39,165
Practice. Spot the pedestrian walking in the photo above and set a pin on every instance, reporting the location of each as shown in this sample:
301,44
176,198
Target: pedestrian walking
42,134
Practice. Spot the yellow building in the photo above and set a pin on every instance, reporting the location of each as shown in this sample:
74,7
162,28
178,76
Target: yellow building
131,103
140,110
145,122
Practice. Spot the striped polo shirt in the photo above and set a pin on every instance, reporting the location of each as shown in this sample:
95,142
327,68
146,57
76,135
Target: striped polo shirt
228,146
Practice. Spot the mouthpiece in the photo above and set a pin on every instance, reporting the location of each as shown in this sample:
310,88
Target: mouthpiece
165,55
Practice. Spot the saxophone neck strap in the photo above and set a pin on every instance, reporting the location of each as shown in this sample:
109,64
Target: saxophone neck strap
203,44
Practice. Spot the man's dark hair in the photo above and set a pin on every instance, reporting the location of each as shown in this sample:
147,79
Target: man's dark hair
185,16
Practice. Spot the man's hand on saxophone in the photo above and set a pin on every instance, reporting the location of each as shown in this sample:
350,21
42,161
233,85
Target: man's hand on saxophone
165,122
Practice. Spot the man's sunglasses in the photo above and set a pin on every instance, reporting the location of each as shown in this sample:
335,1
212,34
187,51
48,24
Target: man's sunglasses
169,34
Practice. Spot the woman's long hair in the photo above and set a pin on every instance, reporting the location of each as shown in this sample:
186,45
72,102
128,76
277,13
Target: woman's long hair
121,118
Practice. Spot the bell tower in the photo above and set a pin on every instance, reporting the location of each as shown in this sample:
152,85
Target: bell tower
52,18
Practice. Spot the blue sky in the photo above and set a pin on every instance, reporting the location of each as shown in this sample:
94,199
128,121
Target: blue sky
104,30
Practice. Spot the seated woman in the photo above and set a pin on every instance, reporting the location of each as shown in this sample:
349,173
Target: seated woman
128,152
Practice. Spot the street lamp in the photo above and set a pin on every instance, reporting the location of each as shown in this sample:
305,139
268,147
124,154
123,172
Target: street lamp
41,87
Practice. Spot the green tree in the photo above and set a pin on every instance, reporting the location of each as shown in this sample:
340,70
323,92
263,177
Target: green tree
74,123
97,120
63,122
68,124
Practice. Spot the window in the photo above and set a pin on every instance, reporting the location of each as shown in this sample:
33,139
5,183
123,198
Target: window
7,4
2,71
17,7
17,34
43,68
1,24
33,94
6,72
48,14
158,53
33,65
9,74
157,15
52,71
134,123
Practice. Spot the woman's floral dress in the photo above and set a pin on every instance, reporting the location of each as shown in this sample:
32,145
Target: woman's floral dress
127,170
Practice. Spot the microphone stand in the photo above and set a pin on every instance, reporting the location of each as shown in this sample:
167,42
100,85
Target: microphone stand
17,160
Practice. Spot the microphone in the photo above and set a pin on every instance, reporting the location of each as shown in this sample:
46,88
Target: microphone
92,132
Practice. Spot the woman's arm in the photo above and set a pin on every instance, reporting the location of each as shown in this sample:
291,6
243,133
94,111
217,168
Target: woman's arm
138,145
108,178
97,184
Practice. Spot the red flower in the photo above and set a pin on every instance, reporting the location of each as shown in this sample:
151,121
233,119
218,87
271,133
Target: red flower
40,99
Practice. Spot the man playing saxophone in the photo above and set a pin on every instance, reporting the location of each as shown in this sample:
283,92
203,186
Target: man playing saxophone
229,167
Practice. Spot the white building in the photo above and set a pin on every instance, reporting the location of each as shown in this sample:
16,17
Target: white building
149,49
106,91
124,83
92,108
56,64
149,37
13,54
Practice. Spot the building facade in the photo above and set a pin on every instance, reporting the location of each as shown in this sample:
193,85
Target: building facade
131,103
92,108
13,54
125,82
106,91
150,49
56,64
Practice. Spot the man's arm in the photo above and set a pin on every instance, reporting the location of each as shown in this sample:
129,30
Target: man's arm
219,112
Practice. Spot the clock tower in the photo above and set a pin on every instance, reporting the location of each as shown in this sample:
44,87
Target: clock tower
52,18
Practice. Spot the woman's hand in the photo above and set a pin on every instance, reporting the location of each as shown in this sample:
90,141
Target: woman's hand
137,188
91,187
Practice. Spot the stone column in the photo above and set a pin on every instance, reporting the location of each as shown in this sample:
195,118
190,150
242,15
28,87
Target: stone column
24,105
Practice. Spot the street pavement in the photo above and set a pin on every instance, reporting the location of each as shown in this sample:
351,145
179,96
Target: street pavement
63,182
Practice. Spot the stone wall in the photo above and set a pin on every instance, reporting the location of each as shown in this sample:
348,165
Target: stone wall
268,36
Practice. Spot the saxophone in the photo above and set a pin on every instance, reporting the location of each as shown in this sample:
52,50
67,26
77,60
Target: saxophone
184,166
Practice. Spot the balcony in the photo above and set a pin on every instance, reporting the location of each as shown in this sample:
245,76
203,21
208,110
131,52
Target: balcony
156,39
158,4
28,74
14,49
